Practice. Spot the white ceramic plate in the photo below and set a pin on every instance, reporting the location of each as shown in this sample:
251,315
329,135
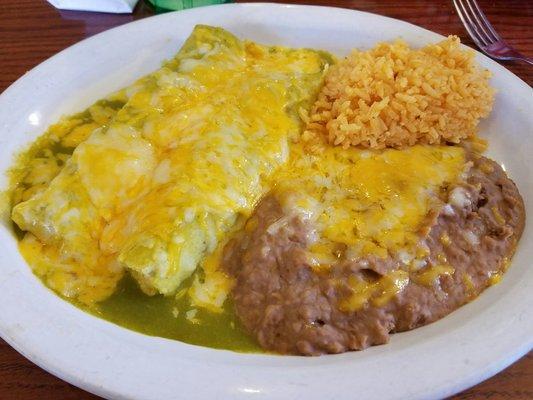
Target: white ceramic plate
458,351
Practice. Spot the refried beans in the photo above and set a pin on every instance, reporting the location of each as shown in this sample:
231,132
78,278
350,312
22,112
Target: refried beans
292,308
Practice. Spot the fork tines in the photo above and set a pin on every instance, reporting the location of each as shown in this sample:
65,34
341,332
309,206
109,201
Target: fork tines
476,23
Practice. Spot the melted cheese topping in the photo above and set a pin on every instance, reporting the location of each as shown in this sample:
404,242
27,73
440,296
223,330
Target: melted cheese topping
157,188
431,276
367,202
74,271
42,162
377,293
210,289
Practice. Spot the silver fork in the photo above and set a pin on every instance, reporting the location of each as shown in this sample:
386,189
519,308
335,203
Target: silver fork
483,34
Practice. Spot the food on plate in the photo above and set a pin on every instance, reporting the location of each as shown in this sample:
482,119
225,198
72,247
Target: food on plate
160,185
395,96
246,195
305,287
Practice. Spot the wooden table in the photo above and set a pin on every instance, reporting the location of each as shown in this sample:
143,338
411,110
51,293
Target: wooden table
32,30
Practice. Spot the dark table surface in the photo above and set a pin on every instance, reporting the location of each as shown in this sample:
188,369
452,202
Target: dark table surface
32,30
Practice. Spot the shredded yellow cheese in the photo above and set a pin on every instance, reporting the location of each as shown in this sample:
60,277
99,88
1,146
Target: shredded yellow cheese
377,293
373,202
430,276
